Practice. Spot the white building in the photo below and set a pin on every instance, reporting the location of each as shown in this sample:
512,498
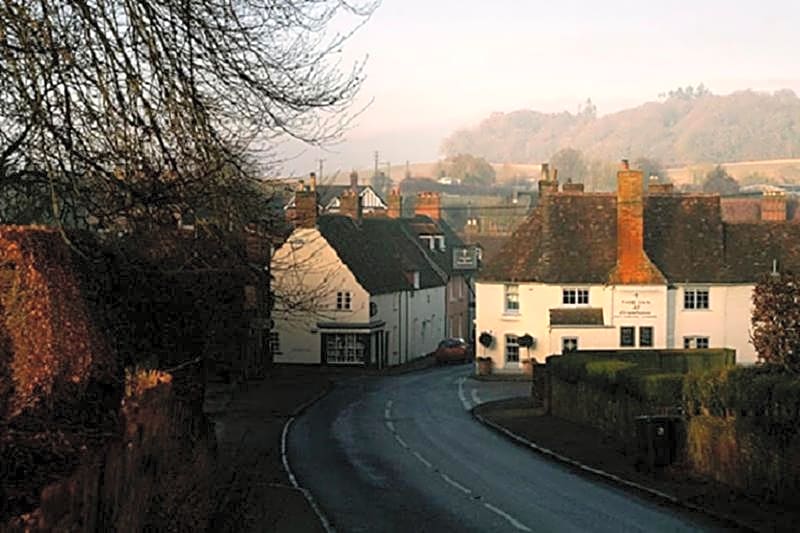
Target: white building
627,270
353,290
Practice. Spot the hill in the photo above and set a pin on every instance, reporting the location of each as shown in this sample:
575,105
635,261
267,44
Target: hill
683,129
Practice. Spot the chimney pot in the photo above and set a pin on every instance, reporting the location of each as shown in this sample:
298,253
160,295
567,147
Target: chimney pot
312,178
625,165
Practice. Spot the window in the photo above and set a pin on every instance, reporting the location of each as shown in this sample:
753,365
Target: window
274,343
512,349
627,336
344,348
695,298
695,342
575,296
646,336
512,298
569,344
344,300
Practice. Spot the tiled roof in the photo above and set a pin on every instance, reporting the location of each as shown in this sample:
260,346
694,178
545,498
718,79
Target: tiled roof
590,316
572,238
378,252
326,193
420,225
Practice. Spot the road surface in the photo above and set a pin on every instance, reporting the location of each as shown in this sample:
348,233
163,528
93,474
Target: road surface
404,454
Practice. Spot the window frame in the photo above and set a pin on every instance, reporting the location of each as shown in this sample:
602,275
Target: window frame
512,342
564,341
274,343
508,309
344,349
575,296
688,340
632,331
692,300
651,334
344,301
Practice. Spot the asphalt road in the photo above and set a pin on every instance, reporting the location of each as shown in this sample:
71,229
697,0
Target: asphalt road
404,454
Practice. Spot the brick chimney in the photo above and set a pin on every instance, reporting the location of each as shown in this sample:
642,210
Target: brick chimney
473,226
395,203
350,204
429,204
572,187
354,180
773,207
305,204
547,185
633,266
654,187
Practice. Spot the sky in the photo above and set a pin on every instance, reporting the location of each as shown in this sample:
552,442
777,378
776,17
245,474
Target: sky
434,66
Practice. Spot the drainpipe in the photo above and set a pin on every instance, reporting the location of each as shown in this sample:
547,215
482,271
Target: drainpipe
406,327
399,327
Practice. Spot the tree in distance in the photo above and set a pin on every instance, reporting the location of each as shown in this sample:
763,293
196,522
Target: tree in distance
570,164
719,181
469,169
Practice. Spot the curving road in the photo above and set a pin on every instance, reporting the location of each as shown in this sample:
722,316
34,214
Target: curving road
404,454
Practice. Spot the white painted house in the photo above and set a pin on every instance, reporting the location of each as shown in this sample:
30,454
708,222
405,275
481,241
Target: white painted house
353,290
627,270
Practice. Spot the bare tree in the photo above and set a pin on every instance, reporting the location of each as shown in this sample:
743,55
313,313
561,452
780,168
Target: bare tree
133,110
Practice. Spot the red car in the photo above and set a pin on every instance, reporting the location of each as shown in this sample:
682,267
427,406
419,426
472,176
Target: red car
451,350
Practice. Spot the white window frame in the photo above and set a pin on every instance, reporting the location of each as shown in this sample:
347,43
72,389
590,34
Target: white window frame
344,301
575,296
512,348
511,305
692,300
344,348
691,342
564,341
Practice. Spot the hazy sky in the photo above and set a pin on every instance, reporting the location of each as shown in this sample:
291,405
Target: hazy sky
437,65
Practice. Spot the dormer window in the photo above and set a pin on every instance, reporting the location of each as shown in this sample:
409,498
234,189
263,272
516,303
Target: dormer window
413,278
433,242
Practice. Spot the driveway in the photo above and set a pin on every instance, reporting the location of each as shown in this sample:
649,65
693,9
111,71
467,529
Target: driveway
404,454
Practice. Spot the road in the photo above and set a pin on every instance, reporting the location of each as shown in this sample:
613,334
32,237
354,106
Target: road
404,454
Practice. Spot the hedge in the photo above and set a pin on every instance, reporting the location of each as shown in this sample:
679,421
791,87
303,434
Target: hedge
771,399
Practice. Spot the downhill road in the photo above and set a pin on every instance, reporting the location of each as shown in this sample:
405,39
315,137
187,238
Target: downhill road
404,454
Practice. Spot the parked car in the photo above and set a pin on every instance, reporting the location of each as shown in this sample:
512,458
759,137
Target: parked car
452,350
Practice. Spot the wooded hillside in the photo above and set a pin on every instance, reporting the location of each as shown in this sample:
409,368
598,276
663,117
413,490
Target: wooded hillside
684,128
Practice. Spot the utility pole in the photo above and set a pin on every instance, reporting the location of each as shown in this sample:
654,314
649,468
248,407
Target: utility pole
377,158
321,161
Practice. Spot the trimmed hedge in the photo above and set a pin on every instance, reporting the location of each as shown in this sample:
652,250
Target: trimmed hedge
769,397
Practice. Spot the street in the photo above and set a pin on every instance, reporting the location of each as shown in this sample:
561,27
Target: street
404,453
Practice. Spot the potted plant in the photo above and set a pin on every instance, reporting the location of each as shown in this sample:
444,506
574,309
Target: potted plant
485,363
527,341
